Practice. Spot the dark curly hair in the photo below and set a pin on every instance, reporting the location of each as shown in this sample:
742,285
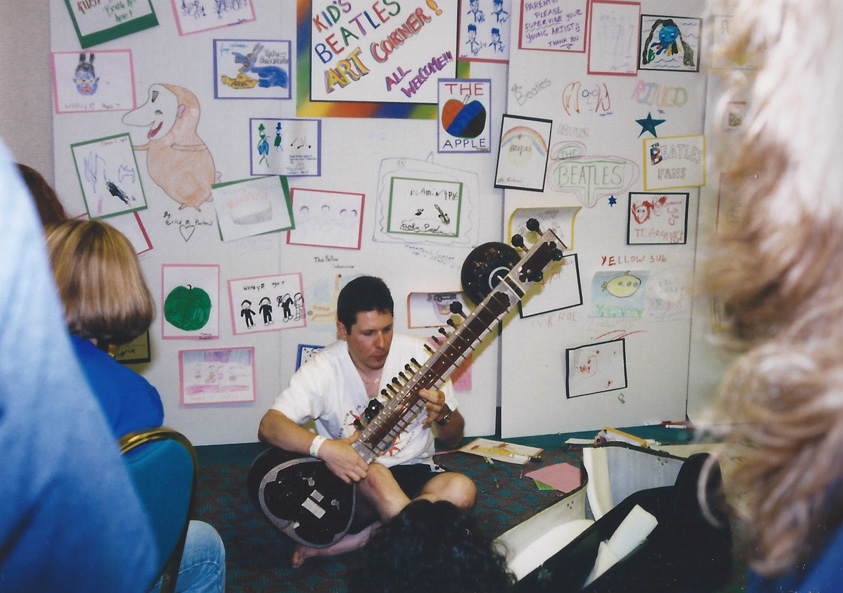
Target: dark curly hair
365,293
431,547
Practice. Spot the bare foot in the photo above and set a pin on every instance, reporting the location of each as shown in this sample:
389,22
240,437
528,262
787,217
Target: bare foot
346,544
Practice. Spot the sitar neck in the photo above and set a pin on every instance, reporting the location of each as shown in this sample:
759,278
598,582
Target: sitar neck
406,404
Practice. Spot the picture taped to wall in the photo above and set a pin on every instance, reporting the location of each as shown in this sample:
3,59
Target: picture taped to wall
560,290
613,38
596,368
132,228
589,177
554,25
326,218
195,16
266,303
290,147
106,20
430,182
254,206
217,376
618,294
93,81
424,207
485,30
465,110
108,175
190,294
433,309
670,43
350,47
523,153
305,353
134,352
674,162
657,219
252,69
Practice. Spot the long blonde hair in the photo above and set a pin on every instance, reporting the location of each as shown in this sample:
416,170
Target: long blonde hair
778,275
100,281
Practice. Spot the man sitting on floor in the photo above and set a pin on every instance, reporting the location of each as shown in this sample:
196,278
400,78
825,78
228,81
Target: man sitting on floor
335,387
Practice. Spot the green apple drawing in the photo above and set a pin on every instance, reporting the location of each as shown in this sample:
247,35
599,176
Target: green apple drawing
187,308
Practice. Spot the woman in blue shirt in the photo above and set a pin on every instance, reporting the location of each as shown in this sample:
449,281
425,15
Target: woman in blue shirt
107,303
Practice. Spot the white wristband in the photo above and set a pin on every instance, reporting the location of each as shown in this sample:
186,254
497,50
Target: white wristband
315,444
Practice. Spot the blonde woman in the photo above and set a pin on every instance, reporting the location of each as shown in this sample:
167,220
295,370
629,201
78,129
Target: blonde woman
107,303
779,277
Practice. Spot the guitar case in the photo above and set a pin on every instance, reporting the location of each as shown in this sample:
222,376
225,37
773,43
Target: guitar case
685,553
302,497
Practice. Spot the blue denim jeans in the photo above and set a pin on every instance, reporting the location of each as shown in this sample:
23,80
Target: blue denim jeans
202,568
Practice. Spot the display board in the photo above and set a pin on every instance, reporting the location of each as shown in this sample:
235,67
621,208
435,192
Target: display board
260,154
608,99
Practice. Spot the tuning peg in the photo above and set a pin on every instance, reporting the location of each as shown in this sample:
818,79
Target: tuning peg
556,254
386,394
517,241
415,362
403,376
533,225
428,348
450,321
456,308
443,331
391,388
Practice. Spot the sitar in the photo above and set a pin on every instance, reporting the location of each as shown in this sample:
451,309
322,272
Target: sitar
309,503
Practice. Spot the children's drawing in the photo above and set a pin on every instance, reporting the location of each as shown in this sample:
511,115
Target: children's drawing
132,227
305,353
555,25
322,307
134,352
81,85
484,30
421,202
729,208
618,294
561,289
108,176
190,297
217,376
721,33
105,20
194,16
433,309
523,152
674,162
359,51
596,368
670,43
254,206
589,177
326,218
668,293
560,220
266,303
177,159
252,69
290,147
465,110
424,207
613,38
591,97
657,219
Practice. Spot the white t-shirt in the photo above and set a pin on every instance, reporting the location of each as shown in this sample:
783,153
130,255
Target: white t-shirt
328,389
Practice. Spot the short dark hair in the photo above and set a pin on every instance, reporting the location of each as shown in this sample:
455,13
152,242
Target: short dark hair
431,546
365,293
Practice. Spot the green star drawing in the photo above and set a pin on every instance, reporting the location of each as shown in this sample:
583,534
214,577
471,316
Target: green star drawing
649,124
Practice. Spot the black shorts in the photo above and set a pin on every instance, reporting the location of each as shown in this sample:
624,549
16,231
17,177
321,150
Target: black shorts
412,479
